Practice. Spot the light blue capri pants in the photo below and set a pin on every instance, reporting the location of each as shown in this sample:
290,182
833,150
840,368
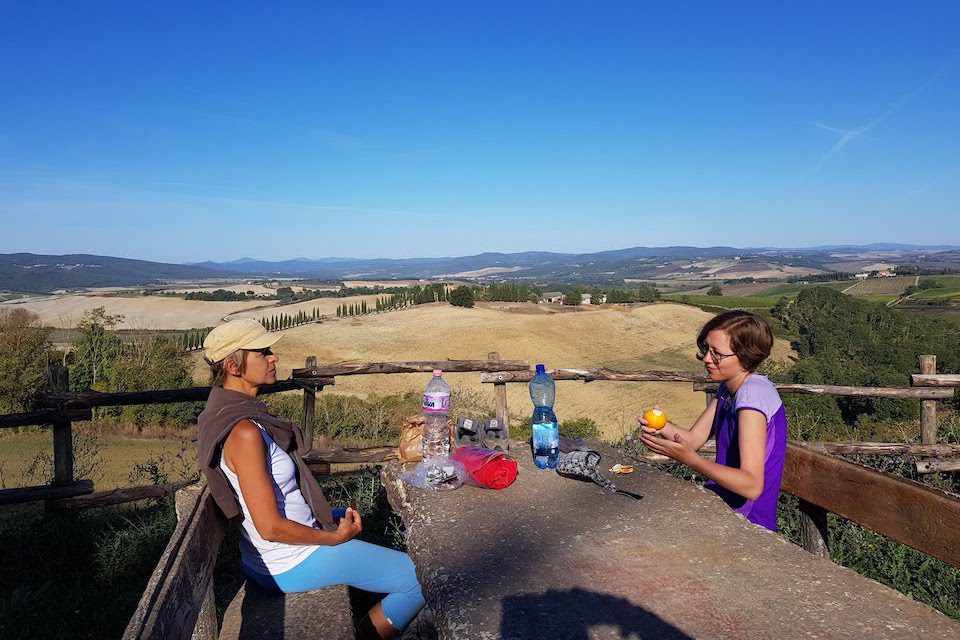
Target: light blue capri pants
359,564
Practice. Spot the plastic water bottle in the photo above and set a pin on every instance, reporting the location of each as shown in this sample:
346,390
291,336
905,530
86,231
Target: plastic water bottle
436,411
546,434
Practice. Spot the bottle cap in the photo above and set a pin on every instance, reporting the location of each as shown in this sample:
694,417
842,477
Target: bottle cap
437,373
541,368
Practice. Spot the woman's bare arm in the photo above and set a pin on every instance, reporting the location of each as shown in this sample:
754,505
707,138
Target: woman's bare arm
245,454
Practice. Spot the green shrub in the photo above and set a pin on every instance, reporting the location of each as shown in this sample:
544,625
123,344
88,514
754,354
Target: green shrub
578,427
462,297
82,572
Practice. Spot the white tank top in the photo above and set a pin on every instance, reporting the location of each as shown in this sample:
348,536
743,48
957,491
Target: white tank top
261,555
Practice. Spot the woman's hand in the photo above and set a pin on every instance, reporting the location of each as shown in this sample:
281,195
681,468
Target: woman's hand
667,431
676,447
350,526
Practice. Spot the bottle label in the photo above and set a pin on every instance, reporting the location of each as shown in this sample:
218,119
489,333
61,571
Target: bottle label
546,438
436,402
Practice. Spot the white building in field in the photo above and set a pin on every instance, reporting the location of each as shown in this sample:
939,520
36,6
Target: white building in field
553,297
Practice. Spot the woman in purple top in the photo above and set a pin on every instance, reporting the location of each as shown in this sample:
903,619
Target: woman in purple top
747,418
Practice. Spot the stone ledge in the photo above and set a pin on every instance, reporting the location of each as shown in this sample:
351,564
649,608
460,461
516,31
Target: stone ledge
256,613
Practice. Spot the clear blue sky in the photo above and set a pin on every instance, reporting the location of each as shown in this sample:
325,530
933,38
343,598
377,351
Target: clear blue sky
198,130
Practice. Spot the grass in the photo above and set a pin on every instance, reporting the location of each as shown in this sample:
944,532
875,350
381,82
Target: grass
725,302
791,290
878,298
950,288
111,461
77,576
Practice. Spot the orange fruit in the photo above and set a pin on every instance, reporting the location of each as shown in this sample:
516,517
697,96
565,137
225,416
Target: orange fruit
655,418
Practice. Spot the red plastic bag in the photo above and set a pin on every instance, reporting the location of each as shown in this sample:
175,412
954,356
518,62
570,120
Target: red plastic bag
486,468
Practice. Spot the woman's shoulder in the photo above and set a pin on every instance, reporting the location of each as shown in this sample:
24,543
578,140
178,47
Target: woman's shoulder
245,433
759,382
757,392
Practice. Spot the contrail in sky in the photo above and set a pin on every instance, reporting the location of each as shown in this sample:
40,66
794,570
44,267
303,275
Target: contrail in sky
849,135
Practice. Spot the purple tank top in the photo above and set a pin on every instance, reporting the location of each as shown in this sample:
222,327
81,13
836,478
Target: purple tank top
759,394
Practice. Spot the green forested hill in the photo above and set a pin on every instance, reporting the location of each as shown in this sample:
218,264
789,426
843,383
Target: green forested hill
43,274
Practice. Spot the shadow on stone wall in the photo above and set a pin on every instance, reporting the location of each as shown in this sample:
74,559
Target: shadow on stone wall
579,614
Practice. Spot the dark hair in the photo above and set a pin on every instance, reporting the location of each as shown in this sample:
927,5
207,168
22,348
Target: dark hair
218,369
750,336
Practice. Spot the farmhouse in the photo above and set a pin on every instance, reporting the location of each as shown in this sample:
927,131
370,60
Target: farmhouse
553,297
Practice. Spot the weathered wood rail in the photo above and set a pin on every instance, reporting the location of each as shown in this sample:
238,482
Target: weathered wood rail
61,408
178,594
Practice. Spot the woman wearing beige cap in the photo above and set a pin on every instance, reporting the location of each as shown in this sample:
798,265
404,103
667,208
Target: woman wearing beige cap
253,462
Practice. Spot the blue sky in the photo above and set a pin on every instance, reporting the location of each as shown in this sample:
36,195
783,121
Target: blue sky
191,131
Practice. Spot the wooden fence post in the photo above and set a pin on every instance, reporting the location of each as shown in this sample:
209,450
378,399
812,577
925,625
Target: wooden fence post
928,408
309,405
813,529
62,433
500,394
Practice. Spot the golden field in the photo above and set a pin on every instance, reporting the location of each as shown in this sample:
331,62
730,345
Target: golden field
155,313
657,336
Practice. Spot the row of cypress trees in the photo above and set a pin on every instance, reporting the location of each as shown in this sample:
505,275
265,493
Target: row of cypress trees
192,340
406,298
285,320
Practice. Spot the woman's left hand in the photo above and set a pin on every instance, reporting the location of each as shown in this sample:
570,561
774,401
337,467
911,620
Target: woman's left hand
678,448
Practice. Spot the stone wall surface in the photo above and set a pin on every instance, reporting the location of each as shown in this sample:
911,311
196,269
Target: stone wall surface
550,557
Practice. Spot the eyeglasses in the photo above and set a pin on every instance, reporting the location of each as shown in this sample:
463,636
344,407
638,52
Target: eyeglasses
264,352
715,355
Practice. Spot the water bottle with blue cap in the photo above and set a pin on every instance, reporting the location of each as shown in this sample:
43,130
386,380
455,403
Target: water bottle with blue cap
546,433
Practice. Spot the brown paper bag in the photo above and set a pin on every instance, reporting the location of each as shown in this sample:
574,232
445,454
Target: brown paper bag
411,439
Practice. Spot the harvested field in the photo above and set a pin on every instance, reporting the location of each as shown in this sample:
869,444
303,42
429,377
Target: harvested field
140,312
656,336
748,270
327,306
385,283
882,286
258,289
159,312
747,289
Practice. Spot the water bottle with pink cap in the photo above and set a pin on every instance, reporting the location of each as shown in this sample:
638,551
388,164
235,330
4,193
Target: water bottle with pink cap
436,411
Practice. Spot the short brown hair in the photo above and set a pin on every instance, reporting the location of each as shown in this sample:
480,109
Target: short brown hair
218,369
750,336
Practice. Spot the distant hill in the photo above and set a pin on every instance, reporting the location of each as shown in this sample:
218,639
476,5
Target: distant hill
43,273
604,267
28,272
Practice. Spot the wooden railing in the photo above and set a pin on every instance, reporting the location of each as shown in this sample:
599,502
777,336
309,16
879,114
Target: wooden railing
61,408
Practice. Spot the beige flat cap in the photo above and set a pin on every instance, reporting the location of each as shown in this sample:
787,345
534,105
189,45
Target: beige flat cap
245,333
